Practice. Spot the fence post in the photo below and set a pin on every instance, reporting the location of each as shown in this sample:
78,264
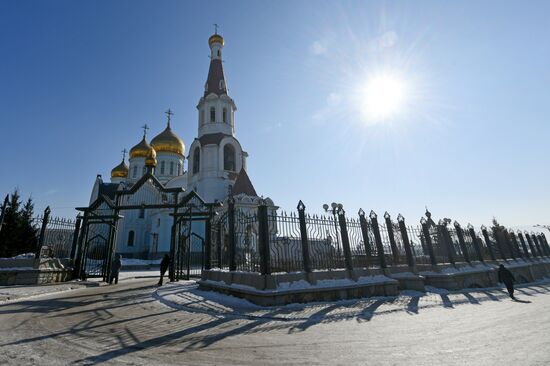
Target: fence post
512,237
523,245
539,247
365,233
488,242
461,241
75,237
533,249
219,240
345,239
172,265
45,219
303,234
543,240
208,241
389,227
231,229
533,244
428,239
442,226
3,211
263,239
477,244
378,239
406,242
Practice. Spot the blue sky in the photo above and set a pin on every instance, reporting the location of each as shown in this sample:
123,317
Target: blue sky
79,78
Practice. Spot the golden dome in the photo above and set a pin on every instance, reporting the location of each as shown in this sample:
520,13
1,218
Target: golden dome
141,150
151,159
215,38
168,141
120,171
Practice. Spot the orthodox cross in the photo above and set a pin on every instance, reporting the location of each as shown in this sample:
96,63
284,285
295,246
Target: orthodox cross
145,128
169,113
124,154
215,28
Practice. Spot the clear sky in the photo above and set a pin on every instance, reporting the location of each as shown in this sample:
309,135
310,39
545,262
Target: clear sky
469,137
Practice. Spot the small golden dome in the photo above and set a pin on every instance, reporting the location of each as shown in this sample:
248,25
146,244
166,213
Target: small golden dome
151,159
120,171
168,141
141,150
215,38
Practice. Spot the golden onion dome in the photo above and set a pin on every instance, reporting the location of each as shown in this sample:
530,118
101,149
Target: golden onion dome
151,159
120,171
141,150
215,38
168,141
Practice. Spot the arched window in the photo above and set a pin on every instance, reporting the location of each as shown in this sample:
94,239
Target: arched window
196,160
171,168
144,169
135,171
179,169
202,116
162,167
224,115
219,53
131,238
212,114
229,157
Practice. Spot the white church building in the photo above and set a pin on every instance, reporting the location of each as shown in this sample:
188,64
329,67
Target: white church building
215,167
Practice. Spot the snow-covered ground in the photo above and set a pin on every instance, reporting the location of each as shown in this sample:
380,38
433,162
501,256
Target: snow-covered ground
137,323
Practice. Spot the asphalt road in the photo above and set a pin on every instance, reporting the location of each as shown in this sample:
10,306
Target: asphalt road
127,324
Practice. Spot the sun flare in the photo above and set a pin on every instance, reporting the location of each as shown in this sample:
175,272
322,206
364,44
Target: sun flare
383,97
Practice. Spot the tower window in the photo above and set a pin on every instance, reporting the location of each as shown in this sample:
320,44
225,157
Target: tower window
135,171
202,116
131,238
171,168
179,169
229,157
196,160
219,53
224,115
212,114
162,167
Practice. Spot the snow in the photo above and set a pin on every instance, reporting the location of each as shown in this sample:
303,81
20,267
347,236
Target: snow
17,269
139,262
20,256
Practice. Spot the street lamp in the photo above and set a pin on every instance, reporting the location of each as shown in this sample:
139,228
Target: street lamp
334,208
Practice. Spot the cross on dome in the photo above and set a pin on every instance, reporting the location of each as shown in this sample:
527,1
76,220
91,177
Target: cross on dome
124,152
145,128
169,114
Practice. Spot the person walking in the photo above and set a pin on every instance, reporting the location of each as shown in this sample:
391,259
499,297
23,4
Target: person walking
505,276
164,264
115,269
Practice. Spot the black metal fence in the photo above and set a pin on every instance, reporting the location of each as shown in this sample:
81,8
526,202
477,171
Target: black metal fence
57,236
270,241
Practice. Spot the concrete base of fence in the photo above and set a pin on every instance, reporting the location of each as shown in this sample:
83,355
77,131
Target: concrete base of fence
299,287
34,271
478,274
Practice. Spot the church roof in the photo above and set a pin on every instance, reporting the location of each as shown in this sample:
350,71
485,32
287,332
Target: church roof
212,138
108,189
243,185
215,76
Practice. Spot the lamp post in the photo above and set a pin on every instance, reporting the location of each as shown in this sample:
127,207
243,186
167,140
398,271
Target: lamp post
334,208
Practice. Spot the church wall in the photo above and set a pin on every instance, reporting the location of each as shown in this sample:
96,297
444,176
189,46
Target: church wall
167,158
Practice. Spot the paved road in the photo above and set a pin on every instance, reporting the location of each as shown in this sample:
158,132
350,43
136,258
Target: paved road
127,324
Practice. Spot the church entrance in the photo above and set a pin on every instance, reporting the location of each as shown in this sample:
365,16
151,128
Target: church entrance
190,217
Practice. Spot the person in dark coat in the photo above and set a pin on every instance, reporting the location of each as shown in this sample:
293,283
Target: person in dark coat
115,269
164,264
507,277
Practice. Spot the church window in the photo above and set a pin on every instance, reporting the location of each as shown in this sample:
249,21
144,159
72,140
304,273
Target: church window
229,157
202,116
135,171
212,114
224,115
162,167
158,222
171,168
196,160
219,53
144,170
142,212
179,169
131,235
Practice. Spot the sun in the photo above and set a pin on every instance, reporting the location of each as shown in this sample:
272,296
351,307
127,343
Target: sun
383,97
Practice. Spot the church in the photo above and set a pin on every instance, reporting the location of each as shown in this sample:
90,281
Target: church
215,167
